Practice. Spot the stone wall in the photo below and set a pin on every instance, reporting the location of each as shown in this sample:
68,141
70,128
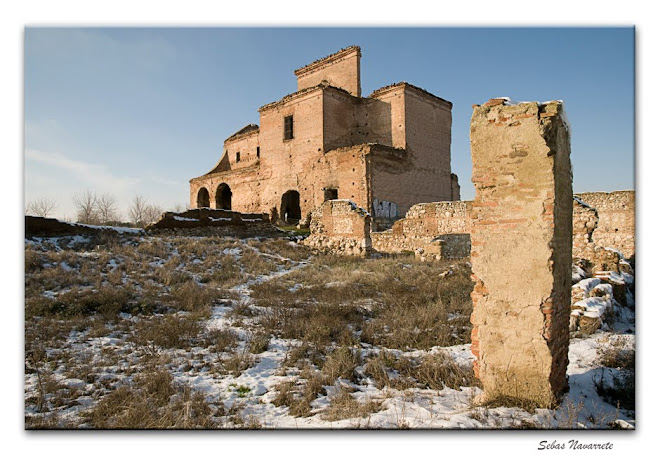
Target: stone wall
585,220
37,226
442,222
592,238
205,222
521,227
341,227
616,219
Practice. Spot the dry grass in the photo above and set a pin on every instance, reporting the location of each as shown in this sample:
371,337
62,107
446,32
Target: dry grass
432,371
284,248
391,304
344,406
170,331
77,292
153,401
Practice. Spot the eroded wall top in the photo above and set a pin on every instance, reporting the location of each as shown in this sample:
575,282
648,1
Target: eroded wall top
341,69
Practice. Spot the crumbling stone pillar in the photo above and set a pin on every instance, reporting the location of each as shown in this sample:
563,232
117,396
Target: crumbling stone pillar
521,249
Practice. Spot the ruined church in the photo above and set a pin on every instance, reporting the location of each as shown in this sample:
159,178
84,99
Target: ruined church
385,152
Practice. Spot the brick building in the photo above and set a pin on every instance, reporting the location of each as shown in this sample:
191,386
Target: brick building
385,152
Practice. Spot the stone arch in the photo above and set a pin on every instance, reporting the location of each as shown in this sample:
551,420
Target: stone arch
223,197
203,199
290,207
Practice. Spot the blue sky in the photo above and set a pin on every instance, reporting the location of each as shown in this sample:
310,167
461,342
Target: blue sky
142,110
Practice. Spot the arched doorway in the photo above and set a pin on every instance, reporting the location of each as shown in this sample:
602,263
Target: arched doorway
223,197
290,207
203,199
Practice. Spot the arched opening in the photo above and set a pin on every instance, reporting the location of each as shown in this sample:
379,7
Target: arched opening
223,197
290,207
203,198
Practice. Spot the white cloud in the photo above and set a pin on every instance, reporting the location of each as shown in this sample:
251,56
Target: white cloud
88,173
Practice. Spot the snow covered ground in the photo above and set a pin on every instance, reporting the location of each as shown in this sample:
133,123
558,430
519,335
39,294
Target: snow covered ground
77,360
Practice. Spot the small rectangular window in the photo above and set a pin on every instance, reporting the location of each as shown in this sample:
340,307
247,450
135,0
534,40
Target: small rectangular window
238,156
258,152
288,127
329,194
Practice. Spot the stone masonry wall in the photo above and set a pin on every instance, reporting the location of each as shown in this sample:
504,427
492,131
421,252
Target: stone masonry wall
341,227
616,219
205,222
594,231
425,223
585,220
521,227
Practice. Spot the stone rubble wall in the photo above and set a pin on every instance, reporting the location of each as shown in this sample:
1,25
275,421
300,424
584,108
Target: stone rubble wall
37,226
438,229
522,226
596,232
616,219
212,222
340,227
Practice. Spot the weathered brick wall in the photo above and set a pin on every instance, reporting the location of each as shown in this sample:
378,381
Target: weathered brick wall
421,123
341,227
392,146
521,227
616,219
341,69
246,145
423,224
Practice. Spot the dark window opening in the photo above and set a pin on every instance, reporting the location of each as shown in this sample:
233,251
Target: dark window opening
223,197
290,207
238,156
330,193
258,154
203,198
288,127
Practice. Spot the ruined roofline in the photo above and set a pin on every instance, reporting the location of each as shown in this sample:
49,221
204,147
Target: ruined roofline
317,64
215,171
405,84
245,131
299,93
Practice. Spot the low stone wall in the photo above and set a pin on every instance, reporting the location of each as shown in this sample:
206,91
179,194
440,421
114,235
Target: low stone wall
437,228
341,227
37,226
207,222
616,219
447,246
601,221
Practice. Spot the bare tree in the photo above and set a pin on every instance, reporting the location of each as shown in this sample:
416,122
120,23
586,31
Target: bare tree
137,210
153,213
142,213
179,207
107,208
86,207
41,207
